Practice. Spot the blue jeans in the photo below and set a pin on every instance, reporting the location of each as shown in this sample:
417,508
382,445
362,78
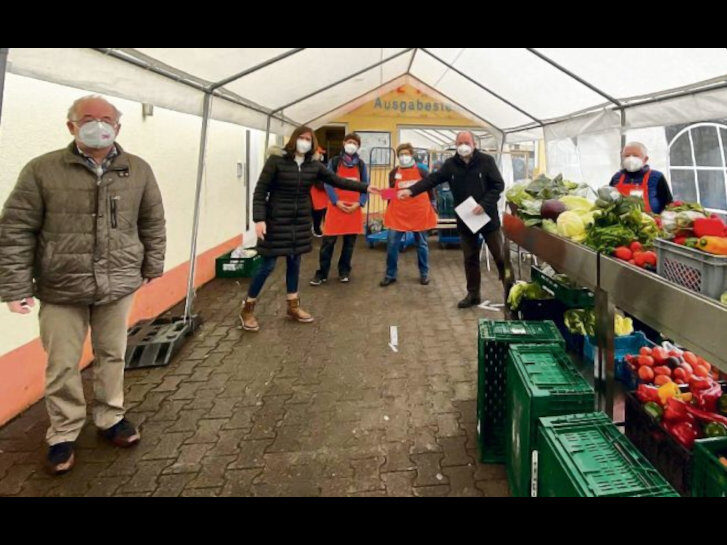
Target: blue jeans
392,252
291,274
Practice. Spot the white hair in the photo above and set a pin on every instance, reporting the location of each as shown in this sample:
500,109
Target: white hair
636,145
474,138
72,110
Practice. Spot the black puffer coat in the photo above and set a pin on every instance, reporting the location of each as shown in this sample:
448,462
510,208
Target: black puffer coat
282,201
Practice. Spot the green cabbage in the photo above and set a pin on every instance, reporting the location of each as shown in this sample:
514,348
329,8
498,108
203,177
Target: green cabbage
525,290
577,204
570,225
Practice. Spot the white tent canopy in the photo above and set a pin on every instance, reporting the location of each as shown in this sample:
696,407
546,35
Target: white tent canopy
518,94
513,89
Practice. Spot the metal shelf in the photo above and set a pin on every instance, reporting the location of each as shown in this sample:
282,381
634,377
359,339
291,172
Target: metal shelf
577,261
691,320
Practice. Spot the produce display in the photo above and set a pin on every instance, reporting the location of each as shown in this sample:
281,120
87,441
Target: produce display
541,199
689,225
659,366
583,322
525,290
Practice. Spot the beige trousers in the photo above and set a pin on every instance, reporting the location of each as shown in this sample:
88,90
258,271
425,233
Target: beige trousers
63,330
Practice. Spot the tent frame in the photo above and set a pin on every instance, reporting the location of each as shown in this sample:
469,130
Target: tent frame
216,89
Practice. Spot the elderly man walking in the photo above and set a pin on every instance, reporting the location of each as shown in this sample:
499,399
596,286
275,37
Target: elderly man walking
471,173
82,230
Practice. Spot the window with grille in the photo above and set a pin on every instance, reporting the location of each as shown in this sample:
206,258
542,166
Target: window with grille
698,166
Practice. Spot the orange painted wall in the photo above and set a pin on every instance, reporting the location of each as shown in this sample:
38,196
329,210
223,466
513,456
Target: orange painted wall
22,371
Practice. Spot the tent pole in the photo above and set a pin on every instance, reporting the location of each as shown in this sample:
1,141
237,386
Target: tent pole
342,80
3,65
197,199
267,132
478,84
575,77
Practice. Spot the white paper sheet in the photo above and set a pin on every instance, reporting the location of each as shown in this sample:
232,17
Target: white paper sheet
473,221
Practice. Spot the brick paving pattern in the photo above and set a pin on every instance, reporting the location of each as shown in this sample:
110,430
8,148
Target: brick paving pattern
322,409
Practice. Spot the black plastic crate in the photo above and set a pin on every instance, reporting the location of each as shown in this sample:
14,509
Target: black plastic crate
671,459
153,343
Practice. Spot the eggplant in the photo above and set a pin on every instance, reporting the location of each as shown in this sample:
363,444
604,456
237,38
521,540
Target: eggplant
551,209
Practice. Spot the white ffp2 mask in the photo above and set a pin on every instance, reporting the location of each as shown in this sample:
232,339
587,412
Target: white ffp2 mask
350,148
464,150
633,164
302,145
97,134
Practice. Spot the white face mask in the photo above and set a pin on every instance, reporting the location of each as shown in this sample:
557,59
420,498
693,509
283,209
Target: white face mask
406,160
633,164
96,134
464,150
350,148
302,145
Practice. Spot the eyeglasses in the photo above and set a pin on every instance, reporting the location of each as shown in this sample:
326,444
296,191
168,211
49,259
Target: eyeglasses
88,118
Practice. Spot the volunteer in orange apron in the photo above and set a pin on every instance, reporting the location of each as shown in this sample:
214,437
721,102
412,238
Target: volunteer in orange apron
639,180
319,200
343,216
417,215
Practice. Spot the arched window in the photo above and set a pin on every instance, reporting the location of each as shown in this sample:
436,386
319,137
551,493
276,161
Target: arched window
698,166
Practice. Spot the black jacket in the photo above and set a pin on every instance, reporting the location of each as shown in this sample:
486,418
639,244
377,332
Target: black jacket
479,179
282,201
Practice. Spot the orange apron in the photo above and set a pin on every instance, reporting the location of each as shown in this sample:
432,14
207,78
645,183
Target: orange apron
631,189
415,214
319,198
339,222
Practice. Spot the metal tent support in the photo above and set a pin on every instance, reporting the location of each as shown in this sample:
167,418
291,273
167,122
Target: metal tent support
3,65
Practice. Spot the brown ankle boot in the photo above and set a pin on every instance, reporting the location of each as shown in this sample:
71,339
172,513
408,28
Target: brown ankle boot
247,316
297,313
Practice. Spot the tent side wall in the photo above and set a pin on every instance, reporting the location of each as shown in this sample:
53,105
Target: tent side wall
33,123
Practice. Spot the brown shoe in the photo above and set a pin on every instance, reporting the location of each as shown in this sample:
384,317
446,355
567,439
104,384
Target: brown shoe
60,458
247,316
297,313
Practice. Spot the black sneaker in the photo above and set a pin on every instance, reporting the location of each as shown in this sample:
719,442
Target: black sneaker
386,281
424,280
317,280
60,458
122,434
469,301
344,278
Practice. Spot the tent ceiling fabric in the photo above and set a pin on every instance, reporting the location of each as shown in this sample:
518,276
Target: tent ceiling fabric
506,87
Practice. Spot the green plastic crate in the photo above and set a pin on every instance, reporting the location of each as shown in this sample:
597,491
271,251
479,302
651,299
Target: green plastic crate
571,297
243,267
584,455
494,340
541,381
709,476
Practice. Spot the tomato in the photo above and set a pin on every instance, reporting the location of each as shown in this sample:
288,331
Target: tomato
660,380
688,368
645,351
635,246
659,354
703,363
690,358
680,374
646,373
701,371
645,360
679,381
662,370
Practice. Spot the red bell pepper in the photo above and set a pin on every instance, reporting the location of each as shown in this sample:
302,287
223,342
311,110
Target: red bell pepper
646,393
697,384
705,416
680,240
704,227
708,398
684,432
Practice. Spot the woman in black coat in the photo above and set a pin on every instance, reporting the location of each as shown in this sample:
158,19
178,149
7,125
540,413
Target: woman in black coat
282,215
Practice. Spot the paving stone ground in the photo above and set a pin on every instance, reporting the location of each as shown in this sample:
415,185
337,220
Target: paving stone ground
325,409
